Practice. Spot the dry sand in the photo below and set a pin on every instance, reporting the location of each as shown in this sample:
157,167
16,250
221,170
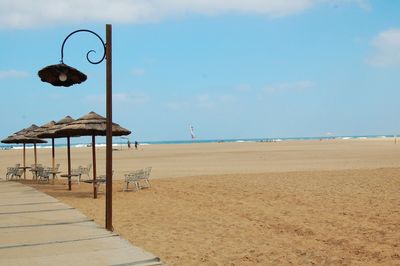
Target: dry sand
330,202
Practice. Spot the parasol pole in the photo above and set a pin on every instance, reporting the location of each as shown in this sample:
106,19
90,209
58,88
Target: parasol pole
35,153
24,161
69,163
53,155
94,166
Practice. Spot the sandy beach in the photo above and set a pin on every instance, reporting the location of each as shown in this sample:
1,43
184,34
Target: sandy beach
330,202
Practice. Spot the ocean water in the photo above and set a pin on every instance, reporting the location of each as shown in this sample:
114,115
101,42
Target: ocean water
119,143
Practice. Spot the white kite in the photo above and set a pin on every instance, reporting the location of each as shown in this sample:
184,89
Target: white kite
192,132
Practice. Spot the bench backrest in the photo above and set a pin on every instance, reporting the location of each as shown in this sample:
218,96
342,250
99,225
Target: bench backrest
138,174
147,172
133,176
57,167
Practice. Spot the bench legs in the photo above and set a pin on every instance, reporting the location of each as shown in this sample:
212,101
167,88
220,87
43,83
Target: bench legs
126,188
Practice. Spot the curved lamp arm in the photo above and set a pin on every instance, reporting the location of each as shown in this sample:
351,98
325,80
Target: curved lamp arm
87,54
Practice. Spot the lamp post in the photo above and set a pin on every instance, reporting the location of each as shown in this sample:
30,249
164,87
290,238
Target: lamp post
64,75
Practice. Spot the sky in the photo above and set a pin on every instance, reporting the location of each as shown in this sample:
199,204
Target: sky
231,69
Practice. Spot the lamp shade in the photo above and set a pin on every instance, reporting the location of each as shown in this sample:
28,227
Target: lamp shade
61,75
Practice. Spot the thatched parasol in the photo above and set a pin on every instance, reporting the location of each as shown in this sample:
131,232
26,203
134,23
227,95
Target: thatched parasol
92,124
23,137
51,133
26,130
43,129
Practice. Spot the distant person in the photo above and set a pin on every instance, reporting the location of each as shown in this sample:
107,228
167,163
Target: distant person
129,144
136,145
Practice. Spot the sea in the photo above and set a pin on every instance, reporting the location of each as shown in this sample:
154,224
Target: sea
119,143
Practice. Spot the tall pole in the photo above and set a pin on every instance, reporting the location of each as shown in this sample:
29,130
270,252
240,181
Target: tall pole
94,166
69,162
24,163
53,159
35,154
109,128
53,155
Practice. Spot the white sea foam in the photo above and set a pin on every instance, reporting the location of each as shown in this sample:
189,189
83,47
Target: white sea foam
80,145
44,147
100,145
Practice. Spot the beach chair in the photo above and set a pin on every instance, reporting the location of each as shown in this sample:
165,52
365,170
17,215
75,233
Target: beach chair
77,172
137,177
132,177
18,173
54,171
9,172
86,170
14,172
34,169
43,174
146,175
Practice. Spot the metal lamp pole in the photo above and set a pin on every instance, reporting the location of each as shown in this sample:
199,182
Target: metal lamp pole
109,128
64,75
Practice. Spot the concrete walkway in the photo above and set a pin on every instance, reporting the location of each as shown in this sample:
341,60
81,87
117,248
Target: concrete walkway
36,229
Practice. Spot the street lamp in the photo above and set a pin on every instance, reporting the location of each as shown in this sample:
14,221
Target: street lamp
65,76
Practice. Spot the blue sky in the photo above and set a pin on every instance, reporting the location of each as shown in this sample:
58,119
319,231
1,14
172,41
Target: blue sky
232,69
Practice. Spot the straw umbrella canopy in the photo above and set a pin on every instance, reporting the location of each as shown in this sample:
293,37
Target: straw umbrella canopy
92,124
43,129
23,137
51,133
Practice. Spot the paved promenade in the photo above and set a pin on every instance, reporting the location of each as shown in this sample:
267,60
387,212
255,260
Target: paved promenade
36,229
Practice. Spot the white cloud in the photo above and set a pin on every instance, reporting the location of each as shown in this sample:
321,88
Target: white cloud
290,86
201,101
176,106
364,4
8,74
130,98
227,99
138,72
28,14
120,98
95,98
387,48
243,88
